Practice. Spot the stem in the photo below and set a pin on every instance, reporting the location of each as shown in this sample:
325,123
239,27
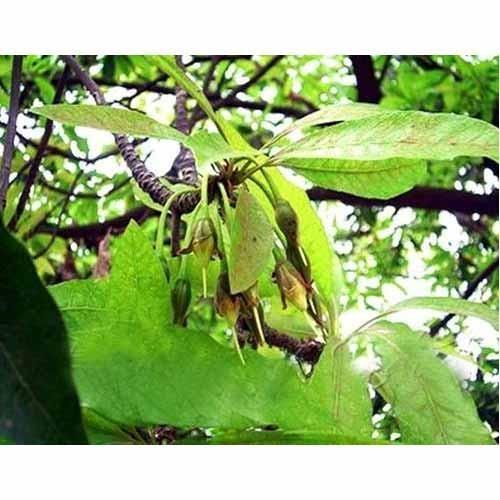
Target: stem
160,235
257,168
278,254
237,345
204,281
220,238
263,188
8,150
204,191
272,185
226,205
255,313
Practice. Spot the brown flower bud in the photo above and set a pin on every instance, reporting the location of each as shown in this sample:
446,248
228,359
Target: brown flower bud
287,221
226,305
181,298
291,285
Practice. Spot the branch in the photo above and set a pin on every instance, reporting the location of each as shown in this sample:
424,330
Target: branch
473,285
183,166
427,198
367,83
234,102
93,233
305,350
148,182
8,145
420,197
257,76
35,165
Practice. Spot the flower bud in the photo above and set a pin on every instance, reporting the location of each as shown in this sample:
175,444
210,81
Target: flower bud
203,243
287,221
291,285
181,298
226,305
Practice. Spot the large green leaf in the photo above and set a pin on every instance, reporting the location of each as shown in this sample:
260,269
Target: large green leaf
329,114
38,401
449,305
325,265
428,402
116,120
252,241
381,179
132,367
399,134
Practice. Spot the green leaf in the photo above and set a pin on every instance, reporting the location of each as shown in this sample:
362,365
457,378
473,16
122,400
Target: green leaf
335,113
399,134
429,404
252,240
289,320
382,179
461,307
46,89
134,368
285,437
38,401
209,147
325,265
116,120
100,430
351,405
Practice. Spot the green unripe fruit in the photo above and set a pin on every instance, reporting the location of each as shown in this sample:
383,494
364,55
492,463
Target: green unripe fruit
287,221
181,299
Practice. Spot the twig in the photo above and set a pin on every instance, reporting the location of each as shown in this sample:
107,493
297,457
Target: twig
210,73
485,274
305,350
8,145
256,77
33,171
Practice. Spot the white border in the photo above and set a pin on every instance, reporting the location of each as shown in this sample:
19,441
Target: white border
256,26
248,472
